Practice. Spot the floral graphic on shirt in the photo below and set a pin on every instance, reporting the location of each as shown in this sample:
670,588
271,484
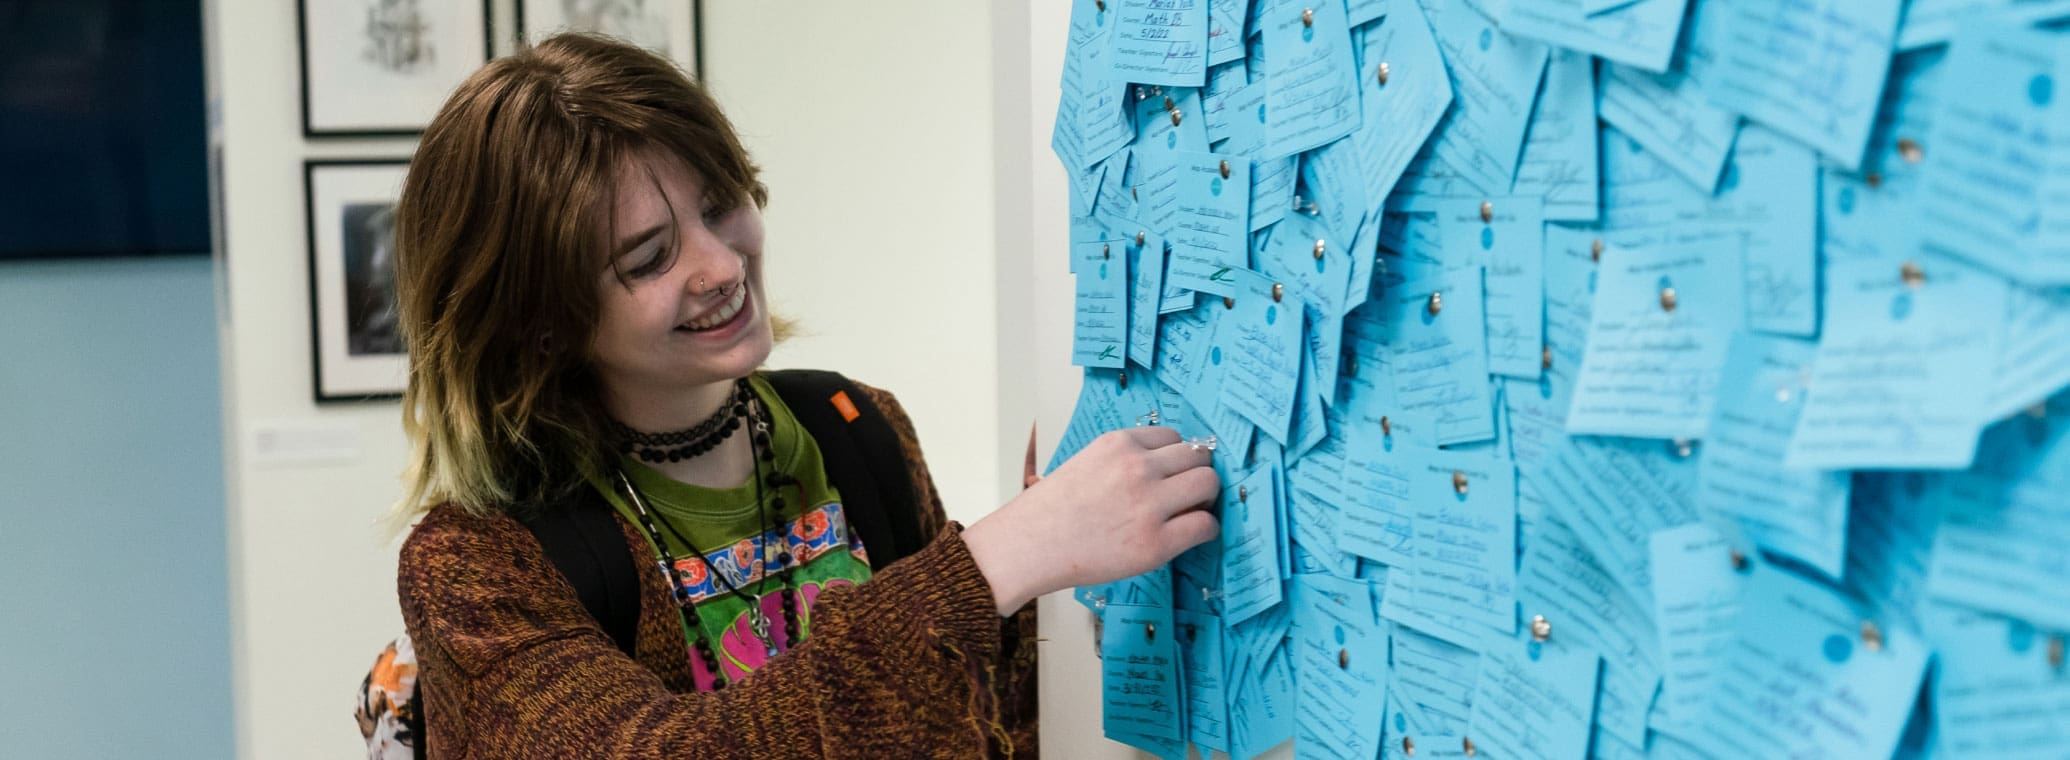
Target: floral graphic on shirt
740,565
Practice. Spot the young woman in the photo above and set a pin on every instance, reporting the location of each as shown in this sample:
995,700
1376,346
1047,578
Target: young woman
580,274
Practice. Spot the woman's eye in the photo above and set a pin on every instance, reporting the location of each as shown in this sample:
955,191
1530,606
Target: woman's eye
651,265
714,212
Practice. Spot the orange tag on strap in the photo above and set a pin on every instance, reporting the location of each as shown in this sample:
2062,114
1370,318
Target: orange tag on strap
847,408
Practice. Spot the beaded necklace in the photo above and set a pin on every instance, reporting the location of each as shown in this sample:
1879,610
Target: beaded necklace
765,453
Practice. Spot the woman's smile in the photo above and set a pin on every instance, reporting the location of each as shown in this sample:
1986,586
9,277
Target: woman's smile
724,321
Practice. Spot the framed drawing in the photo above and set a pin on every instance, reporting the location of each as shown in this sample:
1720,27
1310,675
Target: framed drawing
377,68
668,27
354,327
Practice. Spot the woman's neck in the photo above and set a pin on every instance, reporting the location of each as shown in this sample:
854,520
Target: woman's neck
729,465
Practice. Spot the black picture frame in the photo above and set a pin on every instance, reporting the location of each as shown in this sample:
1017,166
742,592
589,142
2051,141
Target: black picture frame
692,60
434,90
364,363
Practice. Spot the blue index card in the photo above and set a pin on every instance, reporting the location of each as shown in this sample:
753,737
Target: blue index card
2005,523
2033,350
1656,340
1508,242
1207,694
1250,545
1900,368
1314,499
1802,679
1225,31
1185,342
1207,217
1670,116
1260,340
1437,344
1261,716
1465,542
1340,663
1380,520
1400,109
1359,12
1696,600
1638,33
1995,693
1146,285
1159,42
1995,160
1272,189
1227,84
1099,334
1098,412
1331,178
1168,118
1433,676
1311,98
1538,411
1768,197
1890,532
1495,80
1092,122
1307,257
1582,602
1933,22
1535,699
1558,163
1140,672
1812,69
1614,493
1800,513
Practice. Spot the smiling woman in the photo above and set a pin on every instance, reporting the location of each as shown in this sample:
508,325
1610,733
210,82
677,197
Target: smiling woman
600,565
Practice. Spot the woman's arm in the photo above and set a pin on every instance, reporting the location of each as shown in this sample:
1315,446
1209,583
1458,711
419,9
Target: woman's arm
1012,680
513,666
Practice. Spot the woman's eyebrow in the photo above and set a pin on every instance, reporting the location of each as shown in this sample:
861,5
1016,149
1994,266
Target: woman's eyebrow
626,245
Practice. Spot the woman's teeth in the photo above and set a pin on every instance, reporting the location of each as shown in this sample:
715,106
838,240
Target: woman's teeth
724,314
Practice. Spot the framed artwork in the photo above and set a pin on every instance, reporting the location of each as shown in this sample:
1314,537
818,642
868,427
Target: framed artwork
354,327
668,27
379,68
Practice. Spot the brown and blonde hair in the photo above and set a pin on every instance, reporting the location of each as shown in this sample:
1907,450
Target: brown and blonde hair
502,235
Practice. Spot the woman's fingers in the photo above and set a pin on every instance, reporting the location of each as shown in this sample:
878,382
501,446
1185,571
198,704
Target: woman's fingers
1190,529
1151,436
1187,490
1172,459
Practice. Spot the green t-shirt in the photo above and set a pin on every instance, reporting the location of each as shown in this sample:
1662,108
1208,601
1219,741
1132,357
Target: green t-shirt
724,525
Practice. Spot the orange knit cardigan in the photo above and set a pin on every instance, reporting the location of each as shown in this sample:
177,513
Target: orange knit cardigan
916,662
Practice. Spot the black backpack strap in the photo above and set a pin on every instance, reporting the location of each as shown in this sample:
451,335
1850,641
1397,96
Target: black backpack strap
583,540
864,459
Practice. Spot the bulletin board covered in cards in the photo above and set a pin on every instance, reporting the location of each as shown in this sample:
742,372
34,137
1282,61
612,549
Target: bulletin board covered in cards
1587,378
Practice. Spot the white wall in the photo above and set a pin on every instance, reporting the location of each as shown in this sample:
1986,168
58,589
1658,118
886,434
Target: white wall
878,156
311,578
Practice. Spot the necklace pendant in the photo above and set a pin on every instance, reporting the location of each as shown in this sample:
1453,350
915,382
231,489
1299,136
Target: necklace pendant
759,624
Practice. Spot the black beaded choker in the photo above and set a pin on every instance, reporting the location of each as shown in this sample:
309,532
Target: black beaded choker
679,445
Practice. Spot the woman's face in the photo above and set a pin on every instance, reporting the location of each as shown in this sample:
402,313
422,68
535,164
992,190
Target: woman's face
688,310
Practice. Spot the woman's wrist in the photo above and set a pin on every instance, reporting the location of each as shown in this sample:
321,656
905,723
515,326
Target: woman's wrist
1012,579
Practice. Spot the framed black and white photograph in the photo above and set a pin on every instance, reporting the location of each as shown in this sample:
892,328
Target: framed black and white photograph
353,323
668,27
373,68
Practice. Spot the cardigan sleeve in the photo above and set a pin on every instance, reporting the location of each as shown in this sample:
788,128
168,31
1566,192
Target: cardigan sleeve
513,666
1012,677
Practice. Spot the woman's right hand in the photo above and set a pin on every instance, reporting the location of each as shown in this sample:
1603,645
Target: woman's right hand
1130,501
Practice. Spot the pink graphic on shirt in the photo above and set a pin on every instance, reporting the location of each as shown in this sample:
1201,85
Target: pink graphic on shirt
741,653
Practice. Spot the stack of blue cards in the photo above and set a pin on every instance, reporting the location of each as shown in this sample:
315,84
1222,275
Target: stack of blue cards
1591,378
